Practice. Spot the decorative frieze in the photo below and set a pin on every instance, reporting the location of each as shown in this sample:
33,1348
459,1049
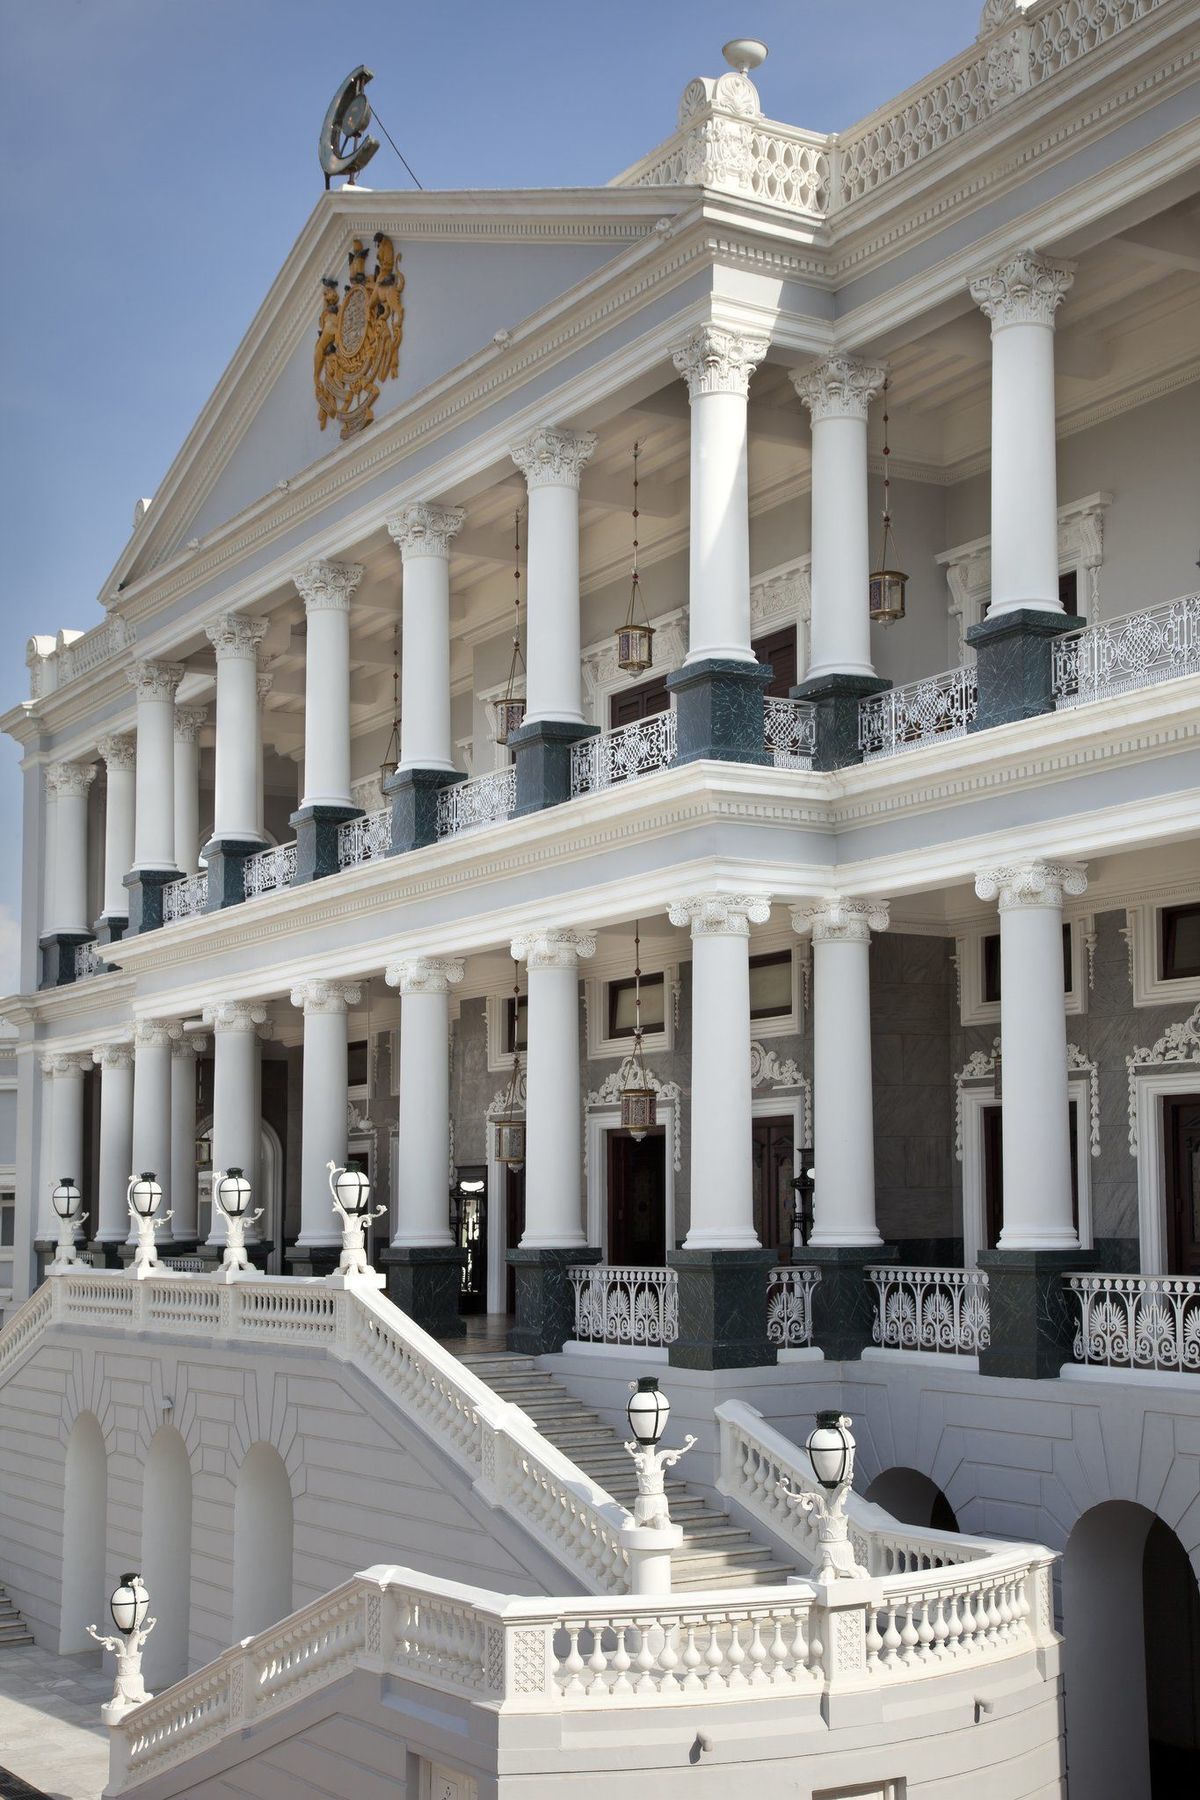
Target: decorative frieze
716,361
560,949
424,974
1032,883
234,636
1028,289
552,458
119,753
720,915
425,529
327,586
840,387
841,920
325,996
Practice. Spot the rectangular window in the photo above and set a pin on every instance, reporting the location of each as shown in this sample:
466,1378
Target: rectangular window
632,704
1179,942
991,964
356,1064
771,985
620,1006
779,650
516,1023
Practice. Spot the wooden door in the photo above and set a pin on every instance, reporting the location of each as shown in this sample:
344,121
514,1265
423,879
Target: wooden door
993,1172
640,702
1181,1118
637,1199
780,651
774,1154
514,1228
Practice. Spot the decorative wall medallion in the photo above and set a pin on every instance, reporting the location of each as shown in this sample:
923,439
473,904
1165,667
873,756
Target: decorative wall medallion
358,337
768,1069
1178,1044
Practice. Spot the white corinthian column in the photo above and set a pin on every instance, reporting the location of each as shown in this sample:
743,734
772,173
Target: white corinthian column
423,1145
838,393
189,722
424,534
323,1127
1035,1124
1021,298
65,1140
70,782
553,1113
235,641
184,1050
236,1127
119,762
722,1215
152,1040
717,366
552,462
327,588
154,825
843,1115
110,1225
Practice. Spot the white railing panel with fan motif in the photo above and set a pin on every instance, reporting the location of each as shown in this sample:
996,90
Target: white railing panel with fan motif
617,1305
623,755
790,732
921,712
1137,1321
931,1309
269,870
365,839
486,800
185,899
1139,650
789,1305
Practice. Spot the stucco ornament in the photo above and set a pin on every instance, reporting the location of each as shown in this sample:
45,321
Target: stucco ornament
720,915
358,337
840,920
651,1511
129,1690
715,361
1033,883
840,387
327,586
1028,289
425,529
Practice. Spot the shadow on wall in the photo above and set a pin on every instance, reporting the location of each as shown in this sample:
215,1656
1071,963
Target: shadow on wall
262,1542
85,1513
913,1499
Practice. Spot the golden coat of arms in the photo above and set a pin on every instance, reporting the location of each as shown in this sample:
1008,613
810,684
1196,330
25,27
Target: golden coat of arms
358,337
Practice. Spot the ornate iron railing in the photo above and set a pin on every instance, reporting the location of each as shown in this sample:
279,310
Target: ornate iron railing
931,1309
269,870
920,712
623,755
1137,1321
366,838
185,899
88,961
790,733
468,804
625,1305
1137,651
789,1305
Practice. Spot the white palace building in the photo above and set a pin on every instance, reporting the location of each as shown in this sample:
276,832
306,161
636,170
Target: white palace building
823,845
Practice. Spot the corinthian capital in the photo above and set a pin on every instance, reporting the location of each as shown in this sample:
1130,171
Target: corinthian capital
60,1063
841,387
1026,290
715,361
232,635
325,996
1032,883
424,974
327,586
553,949
841,921
70,778
189,723
189,1043
113,1056
155,680
426,529
119,752
552,458
720,915
235,1015
155,1034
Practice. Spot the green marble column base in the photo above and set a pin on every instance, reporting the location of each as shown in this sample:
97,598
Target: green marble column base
1033,1320
413,797
145,888
545,1298
722,1309
316,829
425,1281
843,1301
226,858
542,752
58,957
719,711
836,699
1014,656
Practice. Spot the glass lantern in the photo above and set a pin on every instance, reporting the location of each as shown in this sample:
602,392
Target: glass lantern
639,1108
831,1449
508,715
129,1604
233,1193
887,596
353,1191
145,1194
648,1411
635,648
66,1198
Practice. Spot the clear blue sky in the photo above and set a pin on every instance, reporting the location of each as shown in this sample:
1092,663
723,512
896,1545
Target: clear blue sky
160,160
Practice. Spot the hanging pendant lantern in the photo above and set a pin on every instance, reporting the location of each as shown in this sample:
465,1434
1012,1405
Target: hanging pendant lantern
391,756
639,1101
887,584
635,642
508,713
510,1131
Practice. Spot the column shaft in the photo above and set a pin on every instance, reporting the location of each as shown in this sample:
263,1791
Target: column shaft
152,1112
552,463
118,754
72,782
66,1135
553,1119
327,589
183,1136
110,1222
235,808
154,824
323,1130
188,723
424,534
423,1214
236,1105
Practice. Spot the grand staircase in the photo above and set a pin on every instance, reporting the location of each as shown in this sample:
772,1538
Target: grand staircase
715,1553
13,1630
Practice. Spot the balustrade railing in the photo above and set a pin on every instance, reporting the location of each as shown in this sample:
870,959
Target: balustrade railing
185,899
366,838
920,712
484,801
1137,1321
931,1309
1139,650
623,755
269,870
789,1305
790,732
88,961
625,1305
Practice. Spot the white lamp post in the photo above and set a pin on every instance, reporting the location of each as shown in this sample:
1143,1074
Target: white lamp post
232,1192
352,1199
144,1198
830,1447
66,1200
129,1605
651,1537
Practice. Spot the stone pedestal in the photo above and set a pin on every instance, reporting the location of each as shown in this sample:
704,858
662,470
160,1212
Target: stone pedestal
1014,653
258,1255
145,897
58,956
836,699
722,1309
1032,1319
413,796
316,829
225,858
545,1316
110,929
542,752
312,1260
425,1280
719,711
843,1300
106,1255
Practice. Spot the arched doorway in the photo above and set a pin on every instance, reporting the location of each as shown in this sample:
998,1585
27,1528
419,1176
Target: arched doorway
1131,1619
167,1555
262,1542
913,1499
85,1518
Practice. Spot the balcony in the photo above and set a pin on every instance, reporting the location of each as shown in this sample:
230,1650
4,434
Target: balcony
639,1306
934,710
185,899
269,870
944,1310
1135,651
623,755
365,839
1137,1321
790,733
468,805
